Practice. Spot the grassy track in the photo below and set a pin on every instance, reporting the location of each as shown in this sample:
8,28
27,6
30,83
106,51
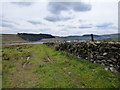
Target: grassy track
40,66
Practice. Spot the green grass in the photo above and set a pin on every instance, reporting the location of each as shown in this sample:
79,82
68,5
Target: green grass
48,68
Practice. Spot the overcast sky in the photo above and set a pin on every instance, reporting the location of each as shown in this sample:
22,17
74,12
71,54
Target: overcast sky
59,18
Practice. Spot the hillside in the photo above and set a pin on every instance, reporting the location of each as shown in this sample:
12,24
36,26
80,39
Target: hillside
108,37
34,37
40,66
10,38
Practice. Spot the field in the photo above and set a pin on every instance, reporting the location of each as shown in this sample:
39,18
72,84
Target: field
40,66
9,38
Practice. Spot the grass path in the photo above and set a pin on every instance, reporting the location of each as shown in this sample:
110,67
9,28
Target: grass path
72,78
66,73
40,66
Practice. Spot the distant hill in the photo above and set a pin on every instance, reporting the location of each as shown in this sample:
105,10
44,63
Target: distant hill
106,37
25,37
89,35
34,37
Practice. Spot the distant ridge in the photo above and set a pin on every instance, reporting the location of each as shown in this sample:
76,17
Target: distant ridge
89,35
108,37
28,37
34,37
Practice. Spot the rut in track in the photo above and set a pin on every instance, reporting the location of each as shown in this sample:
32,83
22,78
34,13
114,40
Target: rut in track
72,77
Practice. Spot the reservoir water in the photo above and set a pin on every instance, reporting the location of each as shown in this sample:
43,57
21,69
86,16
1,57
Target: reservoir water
24,43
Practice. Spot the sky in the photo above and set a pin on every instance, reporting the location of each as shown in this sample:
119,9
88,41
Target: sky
59,18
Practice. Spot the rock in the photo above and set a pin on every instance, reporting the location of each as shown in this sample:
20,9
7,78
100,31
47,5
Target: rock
111,65
98,42
113,59
104,54
86,58
28,58
100,57
99,61
102,64
113,69
94,62
91,60
91,55
109,60
69,73
106,69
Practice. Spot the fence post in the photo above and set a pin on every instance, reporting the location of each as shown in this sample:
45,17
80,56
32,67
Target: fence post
92,38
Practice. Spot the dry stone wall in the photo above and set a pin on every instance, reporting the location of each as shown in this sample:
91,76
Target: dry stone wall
104,53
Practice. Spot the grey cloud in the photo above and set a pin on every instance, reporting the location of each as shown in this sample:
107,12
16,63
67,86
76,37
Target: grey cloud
60,25
8,21
57,7
75,27
71,27
56,18
86,26
7,25
34,22
105,25
67,26
22,3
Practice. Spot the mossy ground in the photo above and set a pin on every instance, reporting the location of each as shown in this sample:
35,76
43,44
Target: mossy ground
47,68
